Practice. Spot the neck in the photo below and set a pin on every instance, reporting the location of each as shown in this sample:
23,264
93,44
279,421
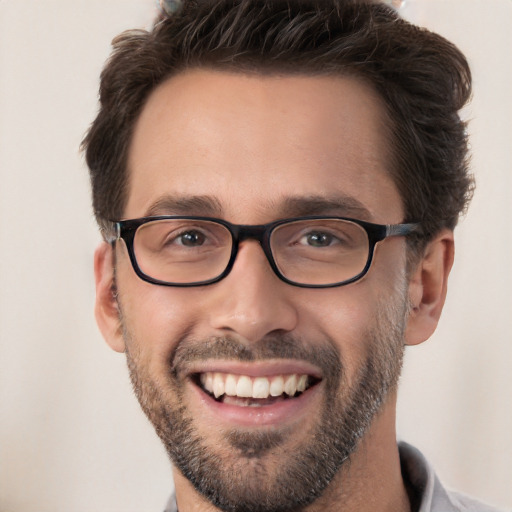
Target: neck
371,481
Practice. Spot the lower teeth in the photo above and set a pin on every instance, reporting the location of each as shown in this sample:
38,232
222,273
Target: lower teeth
253,402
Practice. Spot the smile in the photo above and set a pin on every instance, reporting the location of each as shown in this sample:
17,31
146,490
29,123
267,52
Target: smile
244,390
255,394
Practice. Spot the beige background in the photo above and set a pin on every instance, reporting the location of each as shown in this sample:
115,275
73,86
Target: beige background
72,438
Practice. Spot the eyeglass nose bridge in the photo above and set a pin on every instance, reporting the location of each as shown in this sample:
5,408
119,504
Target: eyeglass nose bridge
260,233
247,232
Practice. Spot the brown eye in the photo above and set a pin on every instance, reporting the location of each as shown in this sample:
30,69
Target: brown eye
318,239
191,238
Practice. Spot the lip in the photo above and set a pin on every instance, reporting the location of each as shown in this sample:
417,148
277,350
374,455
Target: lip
281,413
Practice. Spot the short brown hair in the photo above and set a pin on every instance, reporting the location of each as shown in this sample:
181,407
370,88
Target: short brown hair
422,78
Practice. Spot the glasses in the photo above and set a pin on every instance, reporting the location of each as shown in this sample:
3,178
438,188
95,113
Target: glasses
310,252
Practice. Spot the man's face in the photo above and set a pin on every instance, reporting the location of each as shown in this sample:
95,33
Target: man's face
250,150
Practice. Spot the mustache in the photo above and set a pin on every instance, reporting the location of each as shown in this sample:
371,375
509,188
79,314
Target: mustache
324,354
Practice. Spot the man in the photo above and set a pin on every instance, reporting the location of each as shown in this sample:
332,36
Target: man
277,183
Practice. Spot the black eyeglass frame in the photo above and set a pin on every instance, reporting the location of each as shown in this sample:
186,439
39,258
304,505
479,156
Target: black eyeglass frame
126,230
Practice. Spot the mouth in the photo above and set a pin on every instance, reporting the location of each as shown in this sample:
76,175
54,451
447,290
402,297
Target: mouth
248,391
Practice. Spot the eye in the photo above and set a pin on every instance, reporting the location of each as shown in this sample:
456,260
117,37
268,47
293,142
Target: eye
191,238
318,239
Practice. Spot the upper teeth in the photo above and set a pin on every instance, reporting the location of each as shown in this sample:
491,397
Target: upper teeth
244,386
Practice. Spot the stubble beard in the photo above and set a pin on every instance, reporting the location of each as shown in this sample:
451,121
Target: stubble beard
245,474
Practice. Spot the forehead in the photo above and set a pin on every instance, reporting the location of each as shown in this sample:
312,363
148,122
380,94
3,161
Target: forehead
250,148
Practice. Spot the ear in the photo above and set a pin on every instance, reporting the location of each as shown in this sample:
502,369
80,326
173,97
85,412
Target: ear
106,309
428,286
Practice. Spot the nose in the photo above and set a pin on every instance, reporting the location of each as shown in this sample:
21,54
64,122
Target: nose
252,302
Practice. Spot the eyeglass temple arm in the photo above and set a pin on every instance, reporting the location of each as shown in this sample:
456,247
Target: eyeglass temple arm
113,234
402,229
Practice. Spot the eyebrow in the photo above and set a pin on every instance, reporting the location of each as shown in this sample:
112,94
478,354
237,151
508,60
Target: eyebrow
185,205
339,205
291,206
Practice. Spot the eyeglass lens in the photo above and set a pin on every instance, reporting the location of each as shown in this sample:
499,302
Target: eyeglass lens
320,252
182,251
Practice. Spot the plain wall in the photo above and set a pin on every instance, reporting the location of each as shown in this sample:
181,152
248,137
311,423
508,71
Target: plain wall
72,438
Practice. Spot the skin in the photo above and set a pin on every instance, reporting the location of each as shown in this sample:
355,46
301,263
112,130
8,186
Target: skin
250,143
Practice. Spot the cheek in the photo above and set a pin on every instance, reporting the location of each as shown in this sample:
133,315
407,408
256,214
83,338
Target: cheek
349,315
154,317
344,316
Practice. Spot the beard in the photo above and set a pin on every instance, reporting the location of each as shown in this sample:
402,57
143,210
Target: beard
264,470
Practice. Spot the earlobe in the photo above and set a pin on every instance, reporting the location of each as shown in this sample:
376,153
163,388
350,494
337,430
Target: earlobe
106,308
428,286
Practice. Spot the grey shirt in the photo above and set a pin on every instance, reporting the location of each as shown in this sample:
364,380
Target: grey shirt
429,495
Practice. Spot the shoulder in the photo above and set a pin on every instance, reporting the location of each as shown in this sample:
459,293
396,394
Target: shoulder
428,492
464,503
